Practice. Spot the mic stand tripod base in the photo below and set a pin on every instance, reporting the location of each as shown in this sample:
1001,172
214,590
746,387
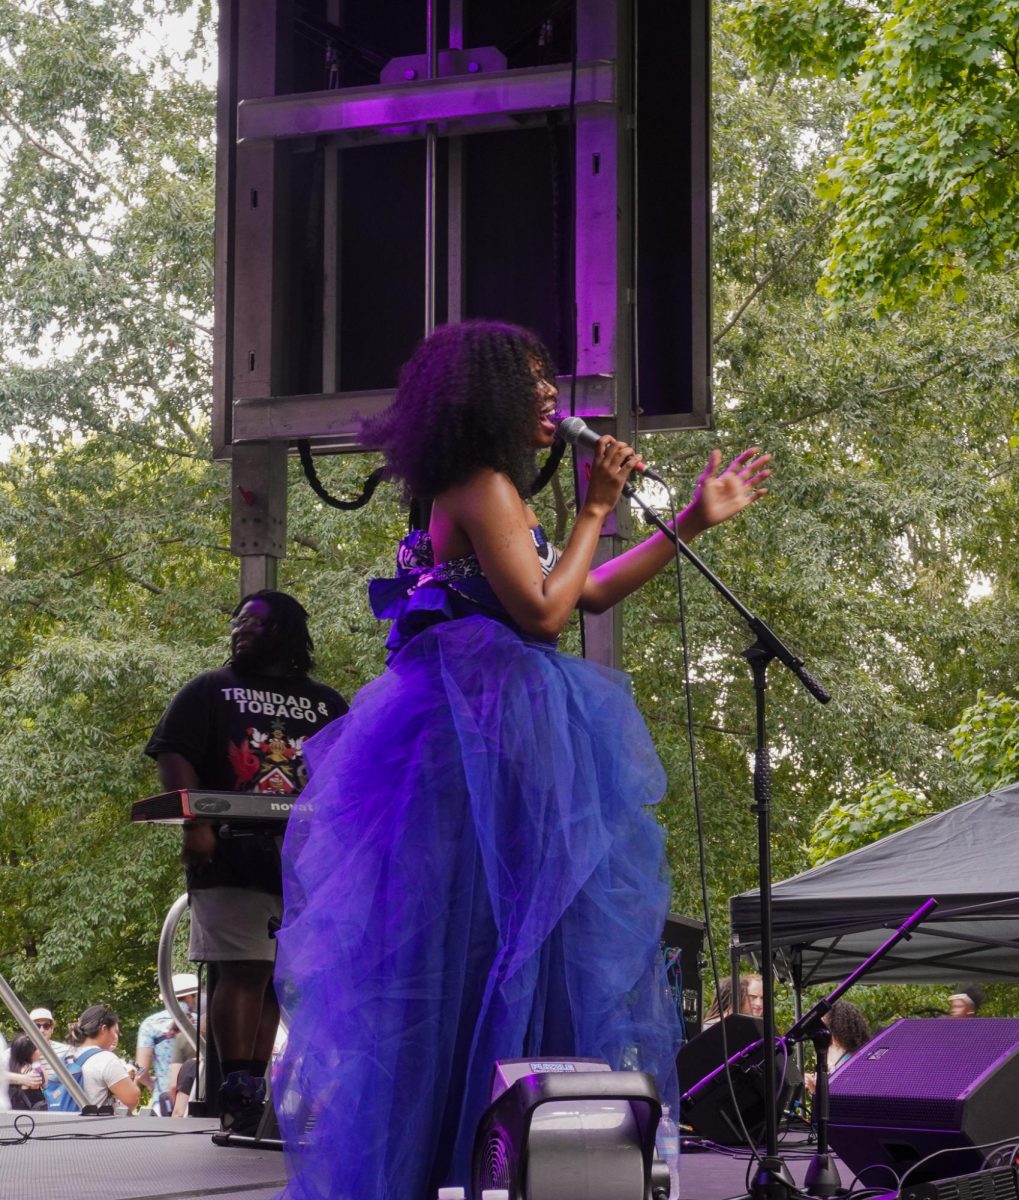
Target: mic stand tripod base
772,1181
822,1178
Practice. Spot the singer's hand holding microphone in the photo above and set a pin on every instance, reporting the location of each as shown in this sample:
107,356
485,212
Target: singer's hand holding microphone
611,467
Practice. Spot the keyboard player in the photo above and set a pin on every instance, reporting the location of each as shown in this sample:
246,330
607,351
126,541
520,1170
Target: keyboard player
242,728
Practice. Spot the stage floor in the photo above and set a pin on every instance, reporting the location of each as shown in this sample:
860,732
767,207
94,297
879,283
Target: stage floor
128,1158
147,1158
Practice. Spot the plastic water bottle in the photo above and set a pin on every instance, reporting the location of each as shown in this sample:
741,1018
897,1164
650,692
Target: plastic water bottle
667,1147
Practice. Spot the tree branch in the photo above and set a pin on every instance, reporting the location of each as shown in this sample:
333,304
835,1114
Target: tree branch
43,149
770,275
147,584
112,558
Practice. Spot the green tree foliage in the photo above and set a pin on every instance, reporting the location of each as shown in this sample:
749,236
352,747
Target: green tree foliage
894,496
894,493
986,742
881,808
115,573
925,186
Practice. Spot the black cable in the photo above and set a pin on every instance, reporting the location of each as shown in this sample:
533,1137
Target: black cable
688,696
26,1127
571,264
699,824
549,466
121,1134
367,490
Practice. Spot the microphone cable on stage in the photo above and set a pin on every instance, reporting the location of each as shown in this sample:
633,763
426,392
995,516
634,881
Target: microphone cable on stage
702,870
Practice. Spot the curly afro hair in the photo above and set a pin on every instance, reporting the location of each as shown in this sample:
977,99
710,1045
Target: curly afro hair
848,1025
467,399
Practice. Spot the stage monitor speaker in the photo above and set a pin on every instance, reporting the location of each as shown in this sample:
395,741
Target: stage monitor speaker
928,1086
706,1103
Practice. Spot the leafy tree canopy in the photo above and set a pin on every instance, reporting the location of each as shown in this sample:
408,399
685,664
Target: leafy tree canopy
986,742
894,495
925,187
881,808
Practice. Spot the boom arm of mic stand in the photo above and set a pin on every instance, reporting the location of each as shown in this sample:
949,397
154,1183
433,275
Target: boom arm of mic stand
805,1026
767,639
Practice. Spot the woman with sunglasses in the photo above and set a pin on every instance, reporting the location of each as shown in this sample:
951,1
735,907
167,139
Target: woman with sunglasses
472,875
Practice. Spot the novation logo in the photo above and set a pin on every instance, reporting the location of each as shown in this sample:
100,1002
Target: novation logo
283,806
553,1068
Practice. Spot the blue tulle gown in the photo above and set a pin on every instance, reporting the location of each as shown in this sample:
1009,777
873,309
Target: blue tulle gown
471,875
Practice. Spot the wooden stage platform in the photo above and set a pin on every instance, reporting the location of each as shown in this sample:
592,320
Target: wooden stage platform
57,1157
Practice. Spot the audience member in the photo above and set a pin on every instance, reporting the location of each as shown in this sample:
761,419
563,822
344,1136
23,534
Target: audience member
185,1086
42,1018
751,999
25,1074
182,1053
966,1002
849,1031
155,1044
5,1100
104,1077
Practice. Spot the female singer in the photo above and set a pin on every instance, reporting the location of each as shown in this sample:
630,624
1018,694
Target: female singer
472,873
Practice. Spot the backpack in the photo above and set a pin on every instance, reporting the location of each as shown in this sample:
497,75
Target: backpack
58,1098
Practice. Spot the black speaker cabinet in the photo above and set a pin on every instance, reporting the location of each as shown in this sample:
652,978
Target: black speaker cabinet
928,1086
706,1102
682,941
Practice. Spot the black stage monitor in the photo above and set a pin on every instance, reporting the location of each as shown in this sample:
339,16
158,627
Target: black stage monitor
706,1103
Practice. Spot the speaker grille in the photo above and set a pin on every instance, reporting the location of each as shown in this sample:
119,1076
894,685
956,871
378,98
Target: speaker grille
920,1072
495,1162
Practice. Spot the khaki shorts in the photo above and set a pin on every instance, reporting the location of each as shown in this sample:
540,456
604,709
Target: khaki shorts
231,924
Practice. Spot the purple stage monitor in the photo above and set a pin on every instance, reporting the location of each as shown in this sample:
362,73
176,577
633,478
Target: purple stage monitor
927,1086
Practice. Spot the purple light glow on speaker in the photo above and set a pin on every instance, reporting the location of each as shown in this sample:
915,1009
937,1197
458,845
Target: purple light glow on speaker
925,1086
923,1069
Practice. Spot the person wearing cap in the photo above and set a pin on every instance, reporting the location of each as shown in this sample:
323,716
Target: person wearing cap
966,1002
155,1044
42,1019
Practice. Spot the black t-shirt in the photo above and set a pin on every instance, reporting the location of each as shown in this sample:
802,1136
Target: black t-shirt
245,733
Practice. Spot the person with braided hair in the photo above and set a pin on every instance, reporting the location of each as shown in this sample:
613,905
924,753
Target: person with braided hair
242,728
474,875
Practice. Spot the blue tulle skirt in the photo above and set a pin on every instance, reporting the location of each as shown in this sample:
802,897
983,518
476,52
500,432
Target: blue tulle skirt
471,875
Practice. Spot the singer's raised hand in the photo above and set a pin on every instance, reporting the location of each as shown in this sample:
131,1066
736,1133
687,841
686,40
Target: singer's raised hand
720,495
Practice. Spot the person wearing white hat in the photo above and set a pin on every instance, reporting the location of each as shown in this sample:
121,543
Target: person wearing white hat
155,1044
42,1019
966,1002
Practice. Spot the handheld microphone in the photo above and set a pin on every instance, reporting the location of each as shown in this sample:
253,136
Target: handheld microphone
574,431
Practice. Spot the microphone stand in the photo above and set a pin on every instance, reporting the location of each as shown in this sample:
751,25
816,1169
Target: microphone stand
772,1180
822,1175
